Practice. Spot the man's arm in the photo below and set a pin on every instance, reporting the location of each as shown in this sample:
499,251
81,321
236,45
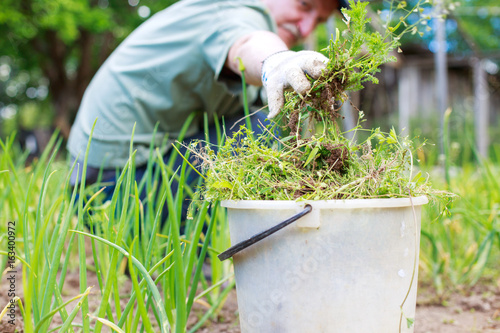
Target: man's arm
268,62
253,49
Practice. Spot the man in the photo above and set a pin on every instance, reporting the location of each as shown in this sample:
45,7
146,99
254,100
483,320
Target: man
185,59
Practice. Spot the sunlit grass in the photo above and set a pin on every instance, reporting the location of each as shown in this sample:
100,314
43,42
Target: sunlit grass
164,259
461,248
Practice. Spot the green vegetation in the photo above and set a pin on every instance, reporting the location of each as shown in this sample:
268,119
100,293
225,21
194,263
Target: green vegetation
164,258
462,248
458,250
319,163
312,169
60,44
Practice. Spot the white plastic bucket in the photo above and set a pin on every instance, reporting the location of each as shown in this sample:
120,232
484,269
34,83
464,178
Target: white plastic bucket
349,266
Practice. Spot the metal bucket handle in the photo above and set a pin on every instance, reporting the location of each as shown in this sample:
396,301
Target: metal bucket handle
264,234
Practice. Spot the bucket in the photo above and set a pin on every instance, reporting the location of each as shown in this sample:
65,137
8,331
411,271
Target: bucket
345,266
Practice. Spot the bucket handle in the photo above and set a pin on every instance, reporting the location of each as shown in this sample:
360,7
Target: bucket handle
260,236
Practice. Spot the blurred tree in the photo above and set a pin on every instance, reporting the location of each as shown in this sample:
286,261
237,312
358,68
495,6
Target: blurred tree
478,21
50,49
472,26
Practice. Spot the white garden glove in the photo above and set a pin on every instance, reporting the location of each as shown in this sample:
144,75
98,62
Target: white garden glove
287,69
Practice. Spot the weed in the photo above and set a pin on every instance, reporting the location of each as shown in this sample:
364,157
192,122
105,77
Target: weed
313,159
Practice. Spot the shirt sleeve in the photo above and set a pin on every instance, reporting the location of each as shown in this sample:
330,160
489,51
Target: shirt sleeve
231,22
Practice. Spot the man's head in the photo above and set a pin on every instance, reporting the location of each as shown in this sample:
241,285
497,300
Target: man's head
296,19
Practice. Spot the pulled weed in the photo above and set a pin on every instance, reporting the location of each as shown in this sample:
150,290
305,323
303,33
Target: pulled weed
313,160
316,168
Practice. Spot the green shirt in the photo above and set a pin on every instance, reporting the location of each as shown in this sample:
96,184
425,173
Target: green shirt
166,69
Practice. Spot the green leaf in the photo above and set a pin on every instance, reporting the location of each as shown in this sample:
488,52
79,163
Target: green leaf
313,154
287,138
222,184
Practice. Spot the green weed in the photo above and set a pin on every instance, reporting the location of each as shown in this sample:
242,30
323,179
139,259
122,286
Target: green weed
312,159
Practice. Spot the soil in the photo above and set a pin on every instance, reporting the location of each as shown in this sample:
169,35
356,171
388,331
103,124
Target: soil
474,310
477,310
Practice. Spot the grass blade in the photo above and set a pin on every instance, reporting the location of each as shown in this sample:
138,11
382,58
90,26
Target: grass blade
107,323
67,323
140,300
152,287
53,312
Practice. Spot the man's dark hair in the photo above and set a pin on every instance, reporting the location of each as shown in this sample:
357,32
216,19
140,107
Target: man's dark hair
343,4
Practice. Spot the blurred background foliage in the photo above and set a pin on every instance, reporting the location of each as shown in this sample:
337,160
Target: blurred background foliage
50,50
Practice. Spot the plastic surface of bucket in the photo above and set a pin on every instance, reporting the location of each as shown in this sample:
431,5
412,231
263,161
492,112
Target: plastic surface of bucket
348,266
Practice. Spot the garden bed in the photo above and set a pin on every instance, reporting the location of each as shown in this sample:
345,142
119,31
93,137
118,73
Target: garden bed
474,310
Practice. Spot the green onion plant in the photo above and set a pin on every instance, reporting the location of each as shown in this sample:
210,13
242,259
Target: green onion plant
60,228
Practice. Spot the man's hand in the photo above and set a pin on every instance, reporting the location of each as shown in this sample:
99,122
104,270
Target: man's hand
288,69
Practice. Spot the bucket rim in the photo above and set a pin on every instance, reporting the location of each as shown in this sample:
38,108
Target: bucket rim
327,204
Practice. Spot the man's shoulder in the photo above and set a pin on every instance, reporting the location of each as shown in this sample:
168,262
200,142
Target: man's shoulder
218,4
192,14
